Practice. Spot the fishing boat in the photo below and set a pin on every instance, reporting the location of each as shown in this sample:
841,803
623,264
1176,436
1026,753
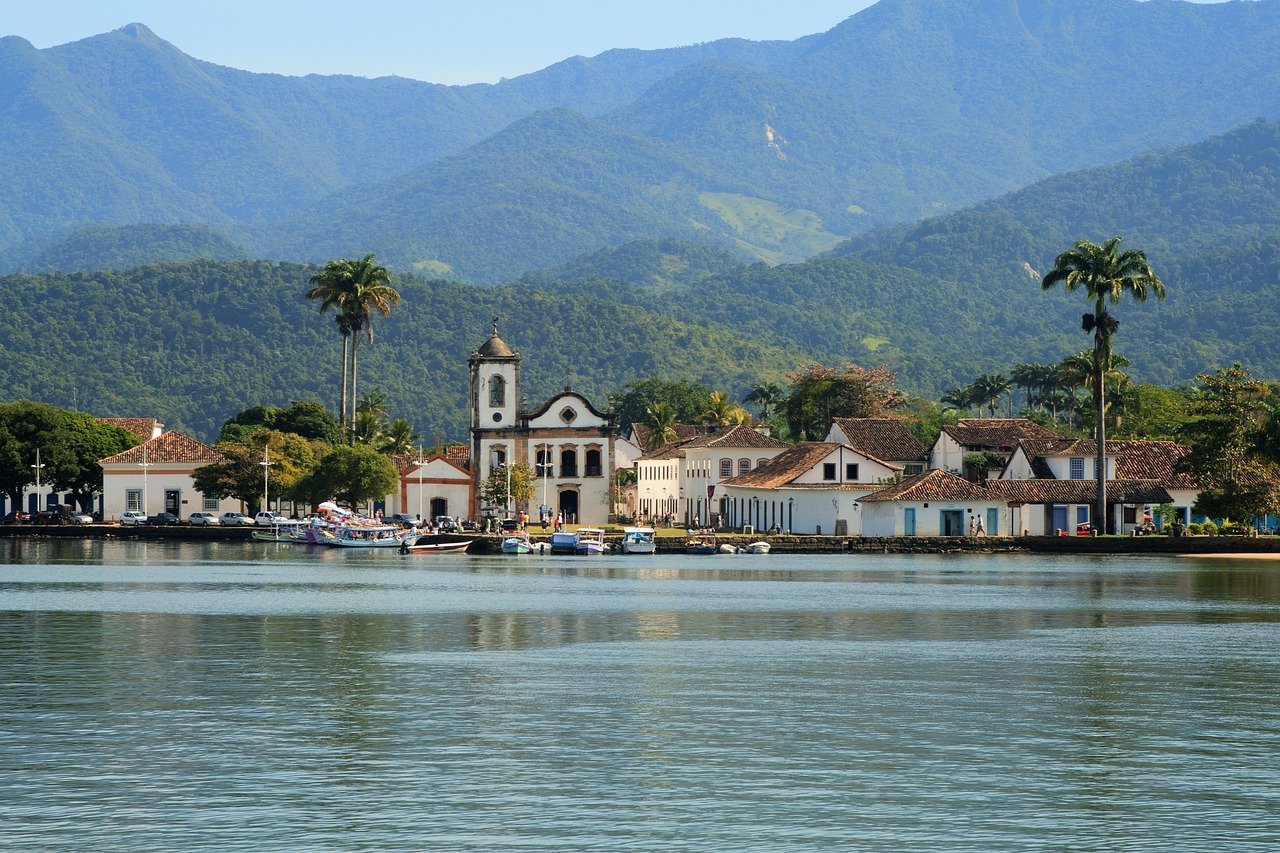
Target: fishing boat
701,545
756,548
564,542
371,536
518,543
434,547
638,540
590,541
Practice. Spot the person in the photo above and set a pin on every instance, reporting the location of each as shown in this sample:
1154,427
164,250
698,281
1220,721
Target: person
973,526
977,526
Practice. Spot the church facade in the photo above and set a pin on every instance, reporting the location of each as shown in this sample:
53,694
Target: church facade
567,442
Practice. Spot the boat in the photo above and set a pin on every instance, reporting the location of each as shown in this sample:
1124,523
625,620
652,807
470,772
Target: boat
590,541
638,540
407,547
756,548
701,545
518,543
372,536
294,532
564,542
726,548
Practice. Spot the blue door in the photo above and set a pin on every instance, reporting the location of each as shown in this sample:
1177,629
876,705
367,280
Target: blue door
909,522
1059,518
993,522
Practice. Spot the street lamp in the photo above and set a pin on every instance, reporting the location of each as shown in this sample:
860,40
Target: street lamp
266,468
144,465
38,467
790,517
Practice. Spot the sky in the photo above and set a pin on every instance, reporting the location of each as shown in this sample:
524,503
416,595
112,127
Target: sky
442,42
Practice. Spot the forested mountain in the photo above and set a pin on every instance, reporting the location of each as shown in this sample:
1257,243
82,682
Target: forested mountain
196,342
99,247
907,109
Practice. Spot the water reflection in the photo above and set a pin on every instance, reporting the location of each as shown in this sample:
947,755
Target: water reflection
221,695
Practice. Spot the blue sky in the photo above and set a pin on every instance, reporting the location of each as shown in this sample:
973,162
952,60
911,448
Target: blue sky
443,42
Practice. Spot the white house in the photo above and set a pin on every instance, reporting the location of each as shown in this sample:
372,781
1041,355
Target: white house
680,479
889,439
814,487
156,476
976,435
935,503
567,442
438,486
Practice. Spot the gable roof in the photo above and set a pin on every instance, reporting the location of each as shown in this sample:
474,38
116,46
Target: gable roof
996,433
731,438
883,438
408,464
1135,459
933,485
786,466
1078,491
143,428
167,447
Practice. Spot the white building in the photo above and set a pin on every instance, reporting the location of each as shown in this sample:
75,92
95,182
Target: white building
438,486
815,487
680,479
156,476
976,435
567,442
936,503
889,439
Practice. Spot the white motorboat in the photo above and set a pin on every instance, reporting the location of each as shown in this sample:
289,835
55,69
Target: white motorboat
756,548
372,536
518,543
590,541
638,540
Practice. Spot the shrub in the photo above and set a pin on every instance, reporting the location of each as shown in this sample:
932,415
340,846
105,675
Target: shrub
1209,528
1195,528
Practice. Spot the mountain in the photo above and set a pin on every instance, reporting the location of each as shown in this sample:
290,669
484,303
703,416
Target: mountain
645,267
105,247
194,343
910,108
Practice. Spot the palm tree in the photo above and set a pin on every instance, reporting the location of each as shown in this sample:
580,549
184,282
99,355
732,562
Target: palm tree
1106,275
988,389
366,428
330,287
1028,377
399,439
374,401
961,398
768,395
369,290
723,412
662,418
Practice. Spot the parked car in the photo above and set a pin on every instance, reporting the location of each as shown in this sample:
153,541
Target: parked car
163,518
235,519
404,519
133,517
202,519
69,515
16,517
510,525
269,519
447,524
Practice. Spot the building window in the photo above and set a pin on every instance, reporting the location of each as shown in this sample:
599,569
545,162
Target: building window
744,465
828,470
497,458
1077,468
133,499
851,471
592,463
568,463
544,463
1130,515
726,469
208,503
1082,515
497,391
913,469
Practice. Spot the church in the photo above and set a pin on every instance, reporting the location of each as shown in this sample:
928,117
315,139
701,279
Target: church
568,443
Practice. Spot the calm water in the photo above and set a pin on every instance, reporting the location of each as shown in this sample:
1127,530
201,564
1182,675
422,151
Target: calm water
229,696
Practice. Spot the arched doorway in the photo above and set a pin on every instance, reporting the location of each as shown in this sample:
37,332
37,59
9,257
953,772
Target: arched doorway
569,506
439,507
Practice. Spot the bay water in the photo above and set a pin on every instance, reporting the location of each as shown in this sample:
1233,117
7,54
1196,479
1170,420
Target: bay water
234,696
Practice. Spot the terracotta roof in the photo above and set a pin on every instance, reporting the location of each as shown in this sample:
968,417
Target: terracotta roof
168,447
643,432
1134,459
934,485
996,433
1078,491
883,438
727,437
458,453
408,464
143,428
785,467
495,347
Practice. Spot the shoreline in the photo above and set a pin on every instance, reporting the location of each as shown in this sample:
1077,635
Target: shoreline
1209,547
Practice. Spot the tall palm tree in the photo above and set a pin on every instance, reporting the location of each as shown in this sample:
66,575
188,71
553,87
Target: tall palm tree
962,398
1029,378
768,395
722,411
1106,275
330,286
399,439
989,388
370,291
662,418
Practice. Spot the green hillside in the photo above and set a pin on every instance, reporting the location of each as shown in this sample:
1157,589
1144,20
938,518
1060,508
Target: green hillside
196,342
107,247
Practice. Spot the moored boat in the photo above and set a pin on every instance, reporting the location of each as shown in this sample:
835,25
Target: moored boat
518,543
434,547
701,545
590,541
371,536
564,542
294,533
756,548
638,540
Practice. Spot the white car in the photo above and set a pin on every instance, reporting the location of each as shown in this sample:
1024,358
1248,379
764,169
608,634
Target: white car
268,519
133,517
202,518
235,519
